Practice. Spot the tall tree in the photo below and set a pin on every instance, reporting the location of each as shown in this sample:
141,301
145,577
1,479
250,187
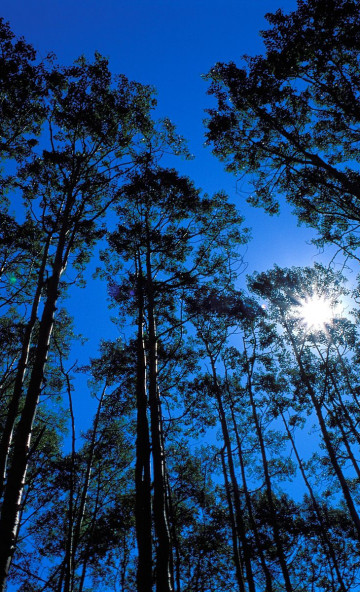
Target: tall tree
166,232
314,376
213,331
93,124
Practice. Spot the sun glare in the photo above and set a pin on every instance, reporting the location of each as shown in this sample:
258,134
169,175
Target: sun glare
316,312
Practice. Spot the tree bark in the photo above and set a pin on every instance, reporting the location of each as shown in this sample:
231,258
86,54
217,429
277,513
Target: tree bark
12,411
11,508
164,576
143,519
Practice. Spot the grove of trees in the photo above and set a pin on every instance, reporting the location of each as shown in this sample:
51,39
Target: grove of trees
224,450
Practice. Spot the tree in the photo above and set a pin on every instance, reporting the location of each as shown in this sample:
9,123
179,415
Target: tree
290,119
81,508
261,381
93,127
166,233
213,331
316,376
244,422
201,518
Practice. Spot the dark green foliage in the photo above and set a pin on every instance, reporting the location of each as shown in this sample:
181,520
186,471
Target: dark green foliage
22,88
291,118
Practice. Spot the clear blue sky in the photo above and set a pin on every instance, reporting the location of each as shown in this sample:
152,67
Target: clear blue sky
168,44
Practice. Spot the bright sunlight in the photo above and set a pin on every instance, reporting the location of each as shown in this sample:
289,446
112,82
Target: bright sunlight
316,312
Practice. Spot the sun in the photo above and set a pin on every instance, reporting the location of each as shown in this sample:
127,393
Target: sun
316,312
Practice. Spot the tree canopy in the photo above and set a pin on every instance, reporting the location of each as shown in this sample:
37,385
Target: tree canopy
223,448
290,118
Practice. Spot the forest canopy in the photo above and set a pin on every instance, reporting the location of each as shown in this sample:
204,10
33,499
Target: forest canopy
223,450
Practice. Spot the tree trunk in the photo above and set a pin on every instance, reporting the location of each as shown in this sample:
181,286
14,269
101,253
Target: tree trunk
329,549
269,493
143,519
267,574
325,434
238,513
234,537
86,553
175,542
11,508
12,411
69,562
17,473
89,466
164,576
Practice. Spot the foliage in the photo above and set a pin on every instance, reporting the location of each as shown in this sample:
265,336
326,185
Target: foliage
290,118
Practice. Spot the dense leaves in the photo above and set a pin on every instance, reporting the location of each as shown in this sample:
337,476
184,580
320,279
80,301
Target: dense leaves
290,118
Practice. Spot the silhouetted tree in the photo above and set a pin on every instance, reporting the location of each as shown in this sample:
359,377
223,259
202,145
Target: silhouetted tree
93,125
290,118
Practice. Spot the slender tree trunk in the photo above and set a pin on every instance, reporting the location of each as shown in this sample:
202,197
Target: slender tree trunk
69,551
143,519
325,434
234,537
175,540
326,541
89,466
75,523
86,553
164,576
269,492
267,574
238,513
12,411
